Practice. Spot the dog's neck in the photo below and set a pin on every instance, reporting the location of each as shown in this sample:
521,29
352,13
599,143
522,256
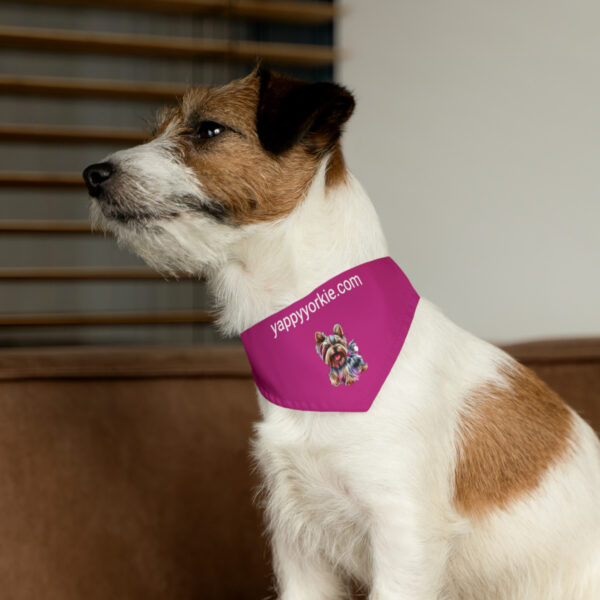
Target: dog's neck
332,230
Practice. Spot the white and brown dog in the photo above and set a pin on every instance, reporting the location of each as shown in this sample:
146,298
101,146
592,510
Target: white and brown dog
468,478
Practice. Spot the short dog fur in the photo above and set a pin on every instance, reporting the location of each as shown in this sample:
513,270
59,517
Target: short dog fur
468,478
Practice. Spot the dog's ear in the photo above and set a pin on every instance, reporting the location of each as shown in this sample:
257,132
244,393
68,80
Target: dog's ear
290,111
337,329
319,336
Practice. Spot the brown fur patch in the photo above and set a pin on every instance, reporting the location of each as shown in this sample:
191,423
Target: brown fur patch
336,168
509,436
249,183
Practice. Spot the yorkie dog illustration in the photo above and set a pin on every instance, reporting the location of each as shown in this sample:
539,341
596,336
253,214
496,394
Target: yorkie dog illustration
342,357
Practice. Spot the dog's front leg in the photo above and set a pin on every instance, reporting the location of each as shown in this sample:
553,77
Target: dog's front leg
302,577
408,563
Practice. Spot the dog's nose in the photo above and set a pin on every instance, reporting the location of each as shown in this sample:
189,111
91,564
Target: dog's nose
95,176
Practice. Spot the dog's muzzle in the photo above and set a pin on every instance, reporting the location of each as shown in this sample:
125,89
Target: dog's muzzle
96,175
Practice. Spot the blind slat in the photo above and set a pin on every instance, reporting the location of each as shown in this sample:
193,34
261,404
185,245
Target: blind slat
84,274
31,226
25,179
74,135
112,318
297,12
27,38
90,88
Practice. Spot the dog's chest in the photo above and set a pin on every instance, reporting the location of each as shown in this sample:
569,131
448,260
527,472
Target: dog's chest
310,490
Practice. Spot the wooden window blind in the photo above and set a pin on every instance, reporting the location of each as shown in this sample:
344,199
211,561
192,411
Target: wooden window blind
80,79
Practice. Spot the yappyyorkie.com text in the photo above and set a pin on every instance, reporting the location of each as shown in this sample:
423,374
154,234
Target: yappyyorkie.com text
321,299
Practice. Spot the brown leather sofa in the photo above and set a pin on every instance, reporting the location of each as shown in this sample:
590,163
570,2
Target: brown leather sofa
124,473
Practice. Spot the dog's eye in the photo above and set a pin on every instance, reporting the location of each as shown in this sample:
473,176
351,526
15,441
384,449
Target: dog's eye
208,129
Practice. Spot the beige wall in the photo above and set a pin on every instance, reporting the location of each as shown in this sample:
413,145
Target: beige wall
477,135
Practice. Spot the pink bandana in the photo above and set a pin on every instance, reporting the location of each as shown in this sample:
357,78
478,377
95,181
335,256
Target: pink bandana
333,349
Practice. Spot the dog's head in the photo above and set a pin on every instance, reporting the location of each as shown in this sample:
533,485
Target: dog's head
332,349
223,160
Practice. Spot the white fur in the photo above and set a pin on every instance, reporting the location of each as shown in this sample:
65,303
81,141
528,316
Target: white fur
370,494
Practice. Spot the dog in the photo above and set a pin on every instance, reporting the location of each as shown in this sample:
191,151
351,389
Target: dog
342,357
468,478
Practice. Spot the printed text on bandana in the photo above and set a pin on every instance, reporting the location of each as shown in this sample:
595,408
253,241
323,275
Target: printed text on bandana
302,315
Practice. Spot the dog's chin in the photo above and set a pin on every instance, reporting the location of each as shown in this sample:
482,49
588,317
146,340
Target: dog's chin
171,244
144,235
119,223
99,221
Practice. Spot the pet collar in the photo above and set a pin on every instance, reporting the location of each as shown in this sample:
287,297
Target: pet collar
333,349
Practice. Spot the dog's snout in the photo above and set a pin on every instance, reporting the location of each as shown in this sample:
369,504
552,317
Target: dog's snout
96,175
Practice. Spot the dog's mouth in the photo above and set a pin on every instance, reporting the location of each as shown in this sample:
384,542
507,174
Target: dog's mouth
121,206
114,212
337,359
